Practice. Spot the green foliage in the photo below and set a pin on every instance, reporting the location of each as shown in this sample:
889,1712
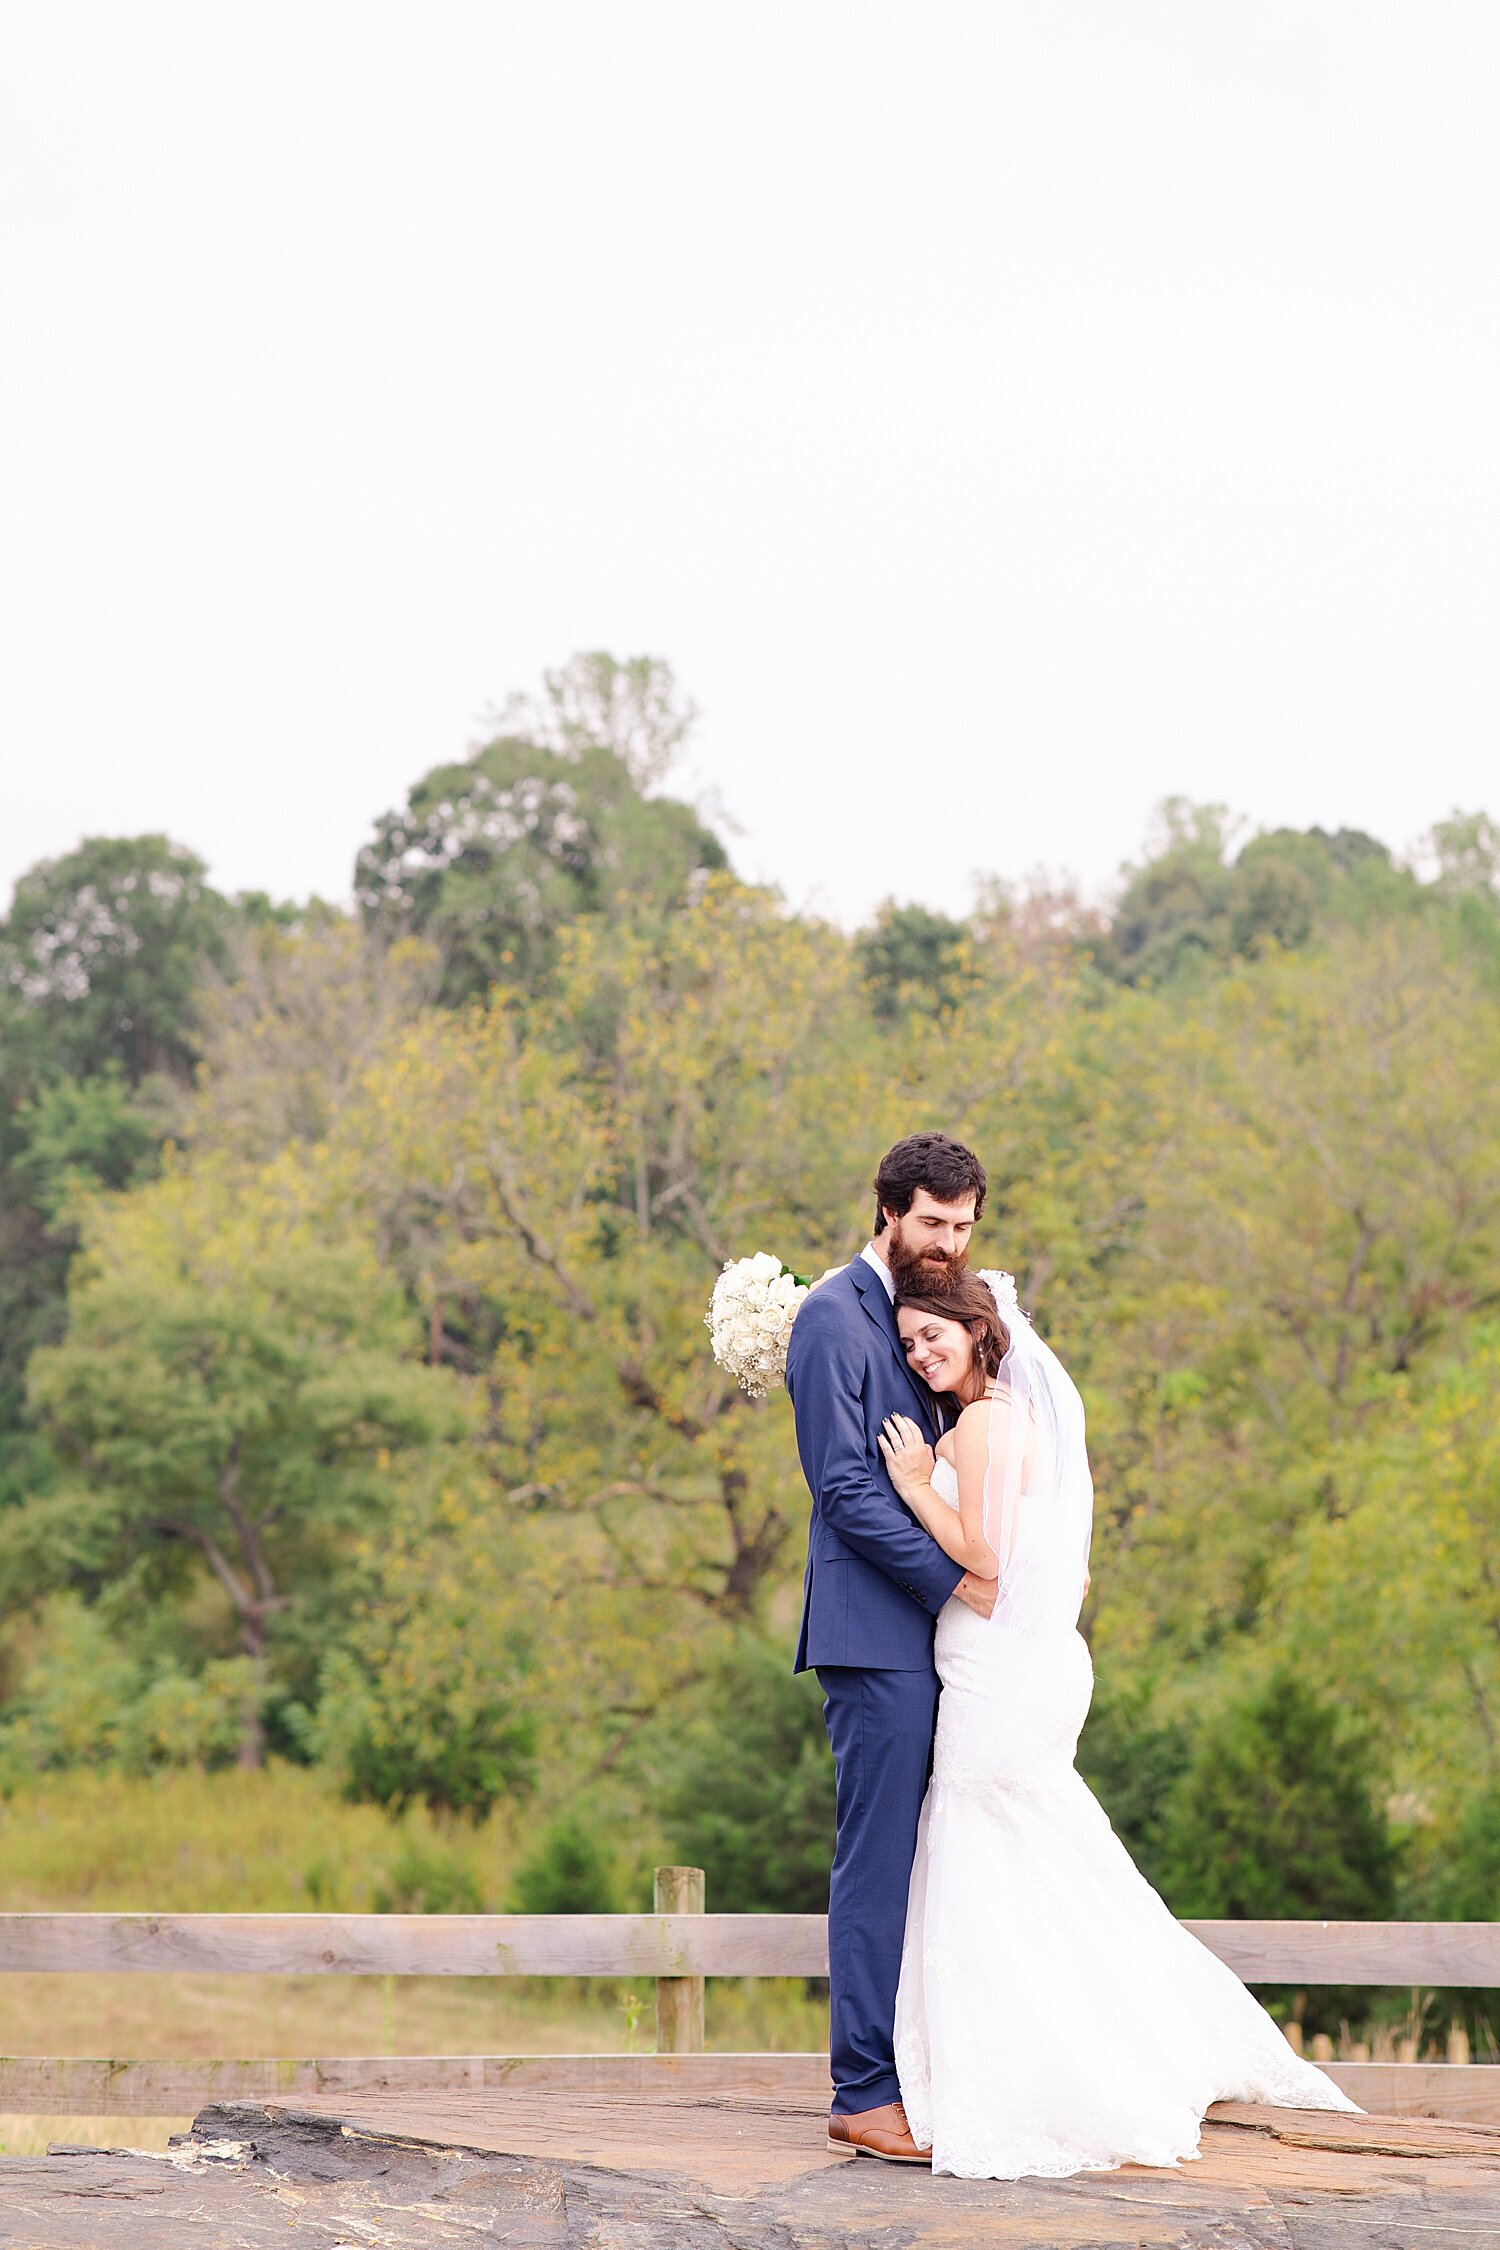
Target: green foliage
1133,1760
425,1879
232,1389
1188,906
389,1379
102,954
1177,908
491,858
1464,1886
1467,849
427,1755
180,1839
1277,1817
80,1134
751,1796
1392,1592
569,1872
424,1699
598,702
90,1701
913,958
305,1010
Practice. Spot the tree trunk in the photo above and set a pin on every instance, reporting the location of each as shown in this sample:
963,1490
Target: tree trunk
251,1755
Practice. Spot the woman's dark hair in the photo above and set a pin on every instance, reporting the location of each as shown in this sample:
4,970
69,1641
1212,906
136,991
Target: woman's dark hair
968,1301
947,1170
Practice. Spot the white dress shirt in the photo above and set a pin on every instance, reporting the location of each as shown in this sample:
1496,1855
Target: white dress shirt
873,1258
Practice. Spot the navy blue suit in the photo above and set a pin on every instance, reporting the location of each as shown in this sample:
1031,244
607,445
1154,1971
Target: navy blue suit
875,1582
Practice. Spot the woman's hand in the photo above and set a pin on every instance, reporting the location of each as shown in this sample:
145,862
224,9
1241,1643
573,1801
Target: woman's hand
908,1456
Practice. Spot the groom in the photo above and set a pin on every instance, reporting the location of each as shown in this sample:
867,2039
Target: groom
875,1582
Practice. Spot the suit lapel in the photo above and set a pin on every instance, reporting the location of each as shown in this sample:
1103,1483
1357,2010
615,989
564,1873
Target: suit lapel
878,1308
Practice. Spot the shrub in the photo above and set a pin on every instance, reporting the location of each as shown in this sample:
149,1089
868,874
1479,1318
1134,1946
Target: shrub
568,1873
1276,1816
1133,1762
88,1699
426,1700
428,1756
1461,1883
424,1879
752,1799
1465,1885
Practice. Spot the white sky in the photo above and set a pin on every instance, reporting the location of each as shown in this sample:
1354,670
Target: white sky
1001,416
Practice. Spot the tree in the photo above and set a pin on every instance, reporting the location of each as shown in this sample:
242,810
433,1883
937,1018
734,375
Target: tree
914,959
306,1005
1318,1179
596,702
1188,905
80,1134
750,1797
557,1189
492,857
426,1694
101,955
1277,1816
1133,1759
1467,849
1256,1205
1392,1594
569,1872
1177,907
105,1697
232,1392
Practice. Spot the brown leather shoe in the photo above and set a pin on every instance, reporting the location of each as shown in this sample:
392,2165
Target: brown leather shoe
881,2132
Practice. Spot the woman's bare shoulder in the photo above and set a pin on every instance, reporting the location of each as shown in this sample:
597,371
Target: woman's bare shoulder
972,1429
978,1421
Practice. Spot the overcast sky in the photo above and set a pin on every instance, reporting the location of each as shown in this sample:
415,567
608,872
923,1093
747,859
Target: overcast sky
1000,415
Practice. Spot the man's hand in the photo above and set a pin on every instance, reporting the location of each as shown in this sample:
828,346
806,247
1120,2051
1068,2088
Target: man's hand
978,1594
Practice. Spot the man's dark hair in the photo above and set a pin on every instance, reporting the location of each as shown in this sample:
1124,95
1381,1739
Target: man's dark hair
947,1170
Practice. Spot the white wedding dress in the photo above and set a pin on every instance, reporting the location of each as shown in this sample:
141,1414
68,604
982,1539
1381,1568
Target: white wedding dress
1053,2017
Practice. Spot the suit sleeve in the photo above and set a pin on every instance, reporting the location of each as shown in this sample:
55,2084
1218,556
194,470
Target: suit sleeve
827,1368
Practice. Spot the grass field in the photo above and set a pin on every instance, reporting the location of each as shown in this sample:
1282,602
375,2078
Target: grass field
281,1842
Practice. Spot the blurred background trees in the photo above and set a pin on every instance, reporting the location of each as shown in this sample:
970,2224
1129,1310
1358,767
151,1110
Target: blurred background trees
356,1409
492,857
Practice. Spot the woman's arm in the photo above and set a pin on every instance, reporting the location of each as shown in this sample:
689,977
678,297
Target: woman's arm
958,1531
975,1436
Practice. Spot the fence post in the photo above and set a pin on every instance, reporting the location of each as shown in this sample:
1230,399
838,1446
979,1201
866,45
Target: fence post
679,2000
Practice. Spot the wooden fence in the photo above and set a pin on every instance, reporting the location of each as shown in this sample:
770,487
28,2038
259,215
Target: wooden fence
678,1947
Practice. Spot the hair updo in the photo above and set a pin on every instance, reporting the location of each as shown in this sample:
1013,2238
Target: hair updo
968,1301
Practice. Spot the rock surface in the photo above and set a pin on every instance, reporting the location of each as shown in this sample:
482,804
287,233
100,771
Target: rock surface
564,2172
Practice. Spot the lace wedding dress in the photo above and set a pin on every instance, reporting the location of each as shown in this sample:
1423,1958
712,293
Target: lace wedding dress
1053,2017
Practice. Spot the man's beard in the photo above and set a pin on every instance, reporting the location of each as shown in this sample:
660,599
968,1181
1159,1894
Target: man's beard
924,1274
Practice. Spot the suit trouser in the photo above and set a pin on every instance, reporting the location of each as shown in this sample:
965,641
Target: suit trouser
880,1728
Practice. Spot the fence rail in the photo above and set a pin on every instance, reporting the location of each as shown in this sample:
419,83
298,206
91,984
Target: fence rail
676,1948
41,2085
663,1945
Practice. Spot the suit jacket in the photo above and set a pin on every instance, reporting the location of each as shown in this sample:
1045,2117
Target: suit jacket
875,1579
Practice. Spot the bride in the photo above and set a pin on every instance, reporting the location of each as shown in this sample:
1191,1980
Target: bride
1052,2015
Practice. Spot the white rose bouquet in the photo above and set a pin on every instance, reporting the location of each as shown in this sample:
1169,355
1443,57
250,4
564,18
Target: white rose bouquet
750,1317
